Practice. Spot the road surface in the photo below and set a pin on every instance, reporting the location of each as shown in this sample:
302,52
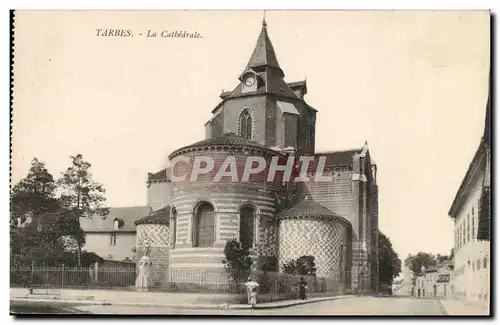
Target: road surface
30,308
364,306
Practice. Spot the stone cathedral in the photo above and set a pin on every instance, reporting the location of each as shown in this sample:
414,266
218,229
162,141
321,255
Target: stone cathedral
335,221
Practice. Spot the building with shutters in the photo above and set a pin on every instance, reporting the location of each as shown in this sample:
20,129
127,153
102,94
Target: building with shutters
471,214
264,115
435,281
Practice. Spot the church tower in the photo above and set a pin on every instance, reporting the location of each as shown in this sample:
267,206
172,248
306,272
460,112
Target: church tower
263,107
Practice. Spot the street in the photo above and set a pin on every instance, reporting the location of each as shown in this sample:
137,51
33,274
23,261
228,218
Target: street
30,308
364,306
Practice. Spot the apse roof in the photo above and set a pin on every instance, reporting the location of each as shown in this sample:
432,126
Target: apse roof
227,139
161,217
309,207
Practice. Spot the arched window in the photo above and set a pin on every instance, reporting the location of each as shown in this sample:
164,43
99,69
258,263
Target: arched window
204,225
173,226
246,125
247,226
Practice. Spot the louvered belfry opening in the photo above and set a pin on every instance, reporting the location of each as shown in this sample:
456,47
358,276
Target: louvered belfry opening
204,226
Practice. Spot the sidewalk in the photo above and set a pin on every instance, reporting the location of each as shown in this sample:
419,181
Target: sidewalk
151,299
455,307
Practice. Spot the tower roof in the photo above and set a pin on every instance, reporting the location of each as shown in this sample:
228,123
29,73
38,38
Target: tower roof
263,53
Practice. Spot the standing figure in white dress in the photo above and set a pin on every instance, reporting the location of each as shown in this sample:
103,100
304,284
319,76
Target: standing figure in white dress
251,291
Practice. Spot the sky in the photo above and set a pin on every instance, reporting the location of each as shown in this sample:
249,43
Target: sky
412,84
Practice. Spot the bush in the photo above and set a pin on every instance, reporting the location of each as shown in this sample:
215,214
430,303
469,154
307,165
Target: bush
238,263
304,265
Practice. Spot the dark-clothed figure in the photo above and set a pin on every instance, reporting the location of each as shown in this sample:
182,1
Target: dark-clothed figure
302,289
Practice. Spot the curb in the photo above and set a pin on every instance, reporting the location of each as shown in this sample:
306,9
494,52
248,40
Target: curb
173,306
301,302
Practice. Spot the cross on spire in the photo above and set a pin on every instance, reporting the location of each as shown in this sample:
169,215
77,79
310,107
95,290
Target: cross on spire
263,54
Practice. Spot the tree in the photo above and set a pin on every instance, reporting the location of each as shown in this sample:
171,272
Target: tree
237,263
415,262
389,262
31,197
442,258
304,265
82,195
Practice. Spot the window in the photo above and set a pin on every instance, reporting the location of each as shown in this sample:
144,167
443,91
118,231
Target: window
459,236
246,125
174,228
468,227
473,227
463,233
116,224
485,262
112,240
204,226
478,264
247,225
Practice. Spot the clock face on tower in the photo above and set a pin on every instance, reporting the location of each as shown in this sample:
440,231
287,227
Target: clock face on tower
249,81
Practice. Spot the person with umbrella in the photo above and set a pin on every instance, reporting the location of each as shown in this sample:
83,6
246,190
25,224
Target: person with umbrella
251,291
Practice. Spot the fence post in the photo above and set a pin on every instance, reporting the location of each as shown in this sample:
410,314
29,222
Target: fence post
96,270
32,277
47,274
62,277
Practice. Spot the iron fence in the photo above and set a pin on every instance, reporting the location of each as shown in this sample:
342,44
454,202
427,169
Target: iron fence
196,280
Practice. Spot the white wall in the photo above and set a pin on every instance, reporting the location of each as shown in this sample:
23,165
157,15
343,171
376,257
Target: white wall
469,282
159,195
100,243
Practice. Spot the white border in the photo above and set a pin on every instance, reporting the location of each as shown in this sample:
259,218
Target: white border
189,4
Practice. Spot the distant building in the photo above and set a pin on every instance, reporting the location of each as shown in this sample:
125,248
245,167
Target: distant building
444,280
435,281
113,237
471,213
406,287
420,285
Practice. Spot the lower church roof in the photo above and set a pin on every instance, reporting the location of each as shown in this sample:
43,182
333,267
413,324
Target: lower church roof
158,217
339,158
310,208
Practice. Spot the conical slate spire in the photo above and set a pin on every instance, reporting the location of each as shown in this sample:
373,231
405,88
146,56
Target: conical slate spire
263,54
